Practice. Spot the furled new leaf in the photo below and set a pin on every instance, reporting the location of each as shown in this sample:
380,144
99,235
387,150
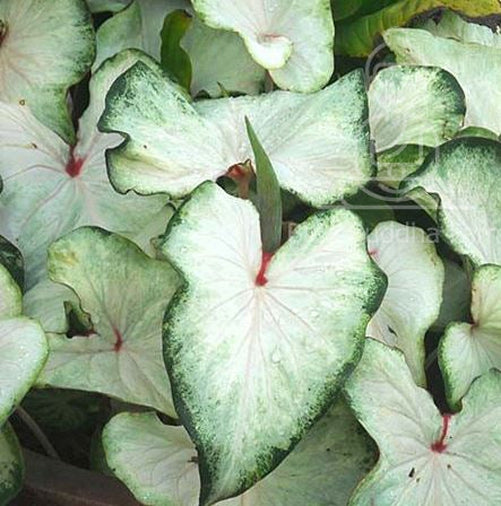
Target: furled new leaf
125,293
412,302
469,350
322,470
318,144
43,51
258,346
425,458
293,39
464,174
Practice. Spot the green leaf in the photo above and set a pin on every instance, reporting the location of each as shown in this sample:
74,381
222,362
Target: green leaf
293,40
469,350
475,65
11,465
10,295
11,258
44,52
464,174
423,106
356,36
174,58
268,195
260,347
425,458
125,293
412,266
158,463
318,144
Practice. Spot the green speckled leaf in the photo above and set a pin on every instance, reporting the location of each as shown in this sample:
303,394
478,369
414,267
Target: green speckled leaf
318,144
125,293
255,347
11,465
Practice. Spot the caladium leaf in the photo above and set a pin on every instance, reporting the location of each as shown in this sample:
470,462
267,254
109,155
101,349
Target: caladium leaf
11,465
469,350
414,105
322,470
357,35
72,187
96,6
292,39
137,26
464,175
36,67
412,302
125,293
211,52
10,295
11,258
261,346
318,144
475,66
425,458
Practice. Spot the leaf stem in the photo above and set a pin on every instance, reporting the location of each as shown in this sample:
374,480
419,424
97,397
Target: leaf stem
38,433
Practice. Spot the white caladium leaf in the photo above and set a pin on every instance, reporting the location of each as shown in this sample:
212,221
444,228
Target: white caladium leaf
261,345
464,175
425,458
36,66
11,465
414,105
219,60
453,26
10,295
51,188
412,301
137,26
23,348
125,293
475,66
159,463
318,144
468,350
45,303
292,39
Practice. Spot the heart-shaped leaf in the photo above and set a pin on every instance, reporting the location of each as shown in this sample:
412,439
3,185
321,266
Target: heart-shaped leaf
125,293
291,38
258,346
464,175
412,302
475,65
318,144
36,67
11,465
414,105
51,188
425,458
469,350
322,470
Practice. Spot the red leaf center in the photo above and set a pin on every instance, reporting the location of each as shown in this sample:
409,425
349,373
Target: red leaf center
440,446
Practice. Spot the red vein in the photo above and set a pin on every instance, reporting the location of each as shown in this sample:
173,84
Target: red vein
118,340
261,278
440,446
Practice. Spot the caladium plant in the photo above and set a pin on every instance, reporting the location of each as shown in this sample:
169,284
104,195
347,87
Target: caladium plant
243,295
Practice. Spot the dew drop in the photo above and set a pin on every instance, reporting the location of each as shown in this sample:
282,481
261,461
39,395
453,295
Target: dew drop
276,357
